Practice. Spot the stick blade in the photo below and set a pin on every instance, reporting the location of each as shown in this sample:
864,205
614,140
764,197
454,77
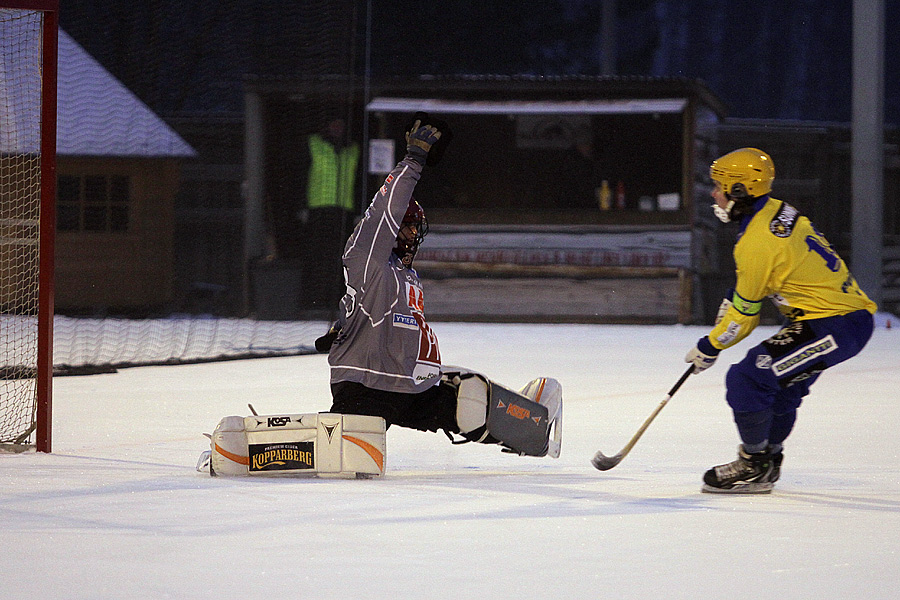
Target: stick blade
605,463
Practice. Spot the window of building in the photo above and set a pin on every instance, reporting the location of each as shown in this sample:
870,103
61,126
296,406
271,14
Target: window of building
93,203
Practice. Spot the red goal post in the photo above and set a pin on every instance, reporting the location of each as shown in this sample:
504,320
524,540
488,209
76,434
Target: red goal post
28,76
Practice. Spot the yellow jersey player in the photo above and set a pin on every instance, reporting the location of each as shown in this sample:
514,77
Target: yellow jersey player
779,254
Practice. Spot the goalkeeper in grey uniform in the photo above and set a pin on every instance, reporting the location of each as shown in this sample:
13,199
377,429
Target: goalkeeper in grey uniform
384,357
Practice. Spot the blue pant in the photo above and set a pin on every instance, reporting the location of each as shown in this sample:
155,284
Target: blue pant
765,389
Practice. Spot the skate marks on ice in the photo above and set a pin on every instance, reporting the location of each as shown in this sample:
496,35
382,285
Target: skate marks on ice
839,501
490,494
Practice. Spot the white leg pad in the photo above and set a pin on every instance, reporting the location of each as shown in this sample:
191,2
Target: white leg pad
548,392
228,448
471,404
318,444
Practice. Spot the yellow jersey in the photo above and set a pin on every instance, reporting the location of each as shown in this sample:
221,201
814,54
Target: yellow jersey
780,254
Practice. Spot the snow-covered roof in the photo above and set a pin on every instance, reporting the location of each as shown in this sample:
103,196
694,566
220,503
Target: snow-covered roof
96,114
483,107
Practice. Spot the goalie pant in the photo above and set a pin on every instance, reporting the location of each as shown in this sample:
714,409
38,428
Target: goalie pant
468,404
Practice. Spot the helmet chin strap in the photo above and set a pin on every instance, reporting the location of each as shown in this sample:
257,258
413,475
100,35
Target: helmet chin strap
406,252
724,214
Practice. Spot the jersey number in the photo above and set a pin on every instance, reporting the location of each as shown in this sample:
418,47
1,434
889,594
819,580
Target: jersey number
428,344
415,298
832,260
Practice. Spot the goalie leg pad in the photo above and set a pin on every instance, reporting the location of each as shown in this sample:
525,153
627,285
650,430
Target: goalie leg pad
228,448
320,444
528,421
548,392
472,407
518,422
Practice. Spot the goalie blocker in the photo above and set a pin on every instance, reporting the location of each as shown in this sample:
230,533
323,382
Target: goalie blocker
322,444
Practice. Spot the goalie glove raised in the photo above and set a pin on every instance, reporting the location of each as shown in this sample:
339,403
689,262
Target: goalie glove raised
430,145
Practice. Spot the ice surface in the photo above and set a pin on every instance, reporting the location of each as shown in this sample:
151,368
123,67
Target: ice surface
118,511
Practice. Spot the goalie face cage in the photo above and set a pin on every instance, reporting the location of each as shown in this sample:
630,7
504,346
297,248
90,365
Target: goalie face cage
28,65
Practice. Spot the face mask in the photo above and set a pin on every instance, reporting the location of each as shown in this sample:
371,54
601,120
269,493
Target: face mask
723,214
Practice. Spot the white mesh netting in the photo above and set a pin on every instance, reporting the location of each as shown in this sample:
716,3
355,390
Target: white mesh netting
20,170
90,345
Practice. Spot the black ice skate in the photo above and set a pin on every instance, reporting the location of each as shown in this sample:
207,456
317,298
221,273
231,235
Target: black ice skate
749,474
776,466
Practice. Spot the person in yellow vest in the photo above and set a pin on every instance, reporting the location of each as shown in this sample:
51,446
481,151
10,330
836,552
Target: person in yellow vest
332,169
331,200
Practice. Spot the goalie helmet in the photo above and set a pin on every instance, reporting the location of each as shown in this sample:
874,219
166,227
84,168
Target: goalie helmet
412,231
743,176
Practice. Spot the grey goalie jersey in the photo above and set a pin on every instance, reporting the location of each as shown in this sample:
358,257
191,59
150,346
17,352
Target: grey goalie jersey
385,342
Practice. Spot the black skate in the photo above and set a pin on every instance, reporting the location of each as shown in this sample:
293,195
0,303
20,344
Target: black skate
776,466
749,474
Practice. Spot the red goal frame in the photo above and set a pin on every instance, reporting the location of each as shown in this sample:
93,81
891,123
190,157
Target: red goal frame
44,374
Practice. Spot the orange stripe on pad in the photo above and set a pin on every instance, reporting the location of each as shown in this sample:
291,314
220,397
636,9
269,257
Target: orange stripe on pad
241,460
537,398
376,454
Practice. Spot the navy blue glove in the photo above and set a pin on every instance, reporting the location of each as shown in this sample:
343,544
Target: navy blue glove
703,355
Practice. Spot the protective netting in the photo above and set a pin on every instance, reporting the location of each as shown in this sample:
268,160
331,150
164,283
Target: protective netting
92,345
192,66
20,171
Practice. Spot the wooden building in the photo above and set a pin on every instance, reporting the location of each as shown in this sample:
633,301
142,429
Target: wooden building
118,174
560,198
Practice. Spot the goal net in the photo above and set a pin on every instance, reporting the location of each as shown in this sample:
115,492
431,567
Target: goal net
27,189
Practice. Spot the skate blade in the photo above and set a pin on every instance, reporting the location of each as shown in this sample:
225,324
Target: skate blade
747,488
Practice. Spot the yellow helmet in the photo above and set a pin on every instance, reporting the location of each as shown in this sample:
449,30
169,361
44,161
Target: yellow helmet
744,172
